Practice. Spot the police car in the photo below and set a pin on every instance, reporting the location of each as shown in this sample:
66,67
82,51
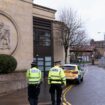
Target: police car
73,72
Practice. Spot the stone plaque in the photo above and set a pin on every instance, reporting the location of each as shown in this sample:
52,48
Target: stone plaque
8,35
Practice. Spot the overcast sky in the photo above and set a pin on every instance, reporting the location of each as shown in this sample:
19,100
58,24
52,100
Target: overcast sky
92,13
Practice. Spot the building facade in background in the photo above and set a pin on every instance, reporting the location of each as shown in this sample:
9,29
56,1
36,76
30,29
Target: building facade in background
99,46
29,32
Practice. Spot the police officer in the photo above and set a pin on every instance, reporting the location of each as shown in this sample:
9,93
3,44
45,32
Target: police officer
34,80
56,78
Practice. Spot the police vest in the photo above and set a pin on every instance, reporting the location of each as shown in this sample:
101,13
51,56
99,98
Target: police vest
34,76
56,76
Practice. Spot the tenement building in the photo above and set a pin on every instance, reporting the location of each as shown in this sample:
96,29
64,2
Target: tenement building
29,32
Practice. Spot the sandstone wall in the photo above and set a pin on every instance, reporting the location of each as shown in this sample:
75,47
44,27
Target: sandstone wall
16,15
58,47
11,82
43,12
59,53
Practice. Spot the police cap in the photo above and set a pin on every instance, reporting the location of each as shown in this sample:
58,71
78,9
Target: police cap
57,62
33,64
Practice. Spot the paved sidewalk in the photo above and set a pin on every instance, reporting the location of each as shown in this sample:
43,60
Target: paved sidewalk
19,97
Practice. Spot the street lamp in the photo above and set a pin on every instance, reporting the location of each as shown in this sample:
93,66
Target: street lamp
103,42
102,33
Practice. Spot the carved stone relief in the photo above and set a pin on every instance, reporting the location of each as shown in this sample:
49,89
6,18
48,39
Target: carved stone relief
8,35
4,37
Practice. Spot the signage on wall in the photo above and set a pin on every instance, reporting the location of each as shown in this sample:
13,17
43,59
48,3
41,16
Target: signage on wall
8,35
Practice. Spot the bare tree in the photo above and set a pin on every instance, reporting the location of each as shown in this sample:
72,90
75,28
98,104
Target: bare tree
73,32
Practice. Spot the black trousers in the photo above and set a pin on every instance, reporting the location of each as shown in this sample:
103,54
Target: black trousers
56,92
33,93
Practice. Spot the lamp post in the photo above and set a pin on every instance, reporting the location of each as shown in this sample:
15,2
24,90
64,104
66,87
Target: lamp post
103,42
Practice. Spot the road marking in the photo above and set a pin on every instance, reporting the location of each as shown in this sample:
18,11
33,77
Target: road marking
65,102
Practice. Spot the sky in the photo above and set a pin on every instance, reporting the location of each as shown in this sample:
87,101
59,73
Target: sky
92,13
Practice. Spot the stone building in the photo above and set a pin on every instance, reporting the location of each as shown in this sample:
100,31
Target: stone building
29,32
99,46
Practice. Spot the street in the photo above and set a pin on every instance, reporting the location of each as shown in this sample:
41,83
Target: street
91,91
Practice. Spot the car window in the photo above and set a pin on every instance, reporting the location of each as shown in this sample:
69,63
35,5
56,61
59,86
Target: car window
69,67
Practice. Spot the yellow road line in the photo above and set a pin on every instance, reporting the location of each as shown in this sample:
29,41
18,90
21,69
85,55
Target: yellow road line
64,96
65,89
65,102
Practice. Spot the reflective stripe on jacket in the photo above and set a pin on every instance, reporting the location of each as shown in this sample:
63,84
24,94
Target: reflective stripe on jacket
56,76
34,76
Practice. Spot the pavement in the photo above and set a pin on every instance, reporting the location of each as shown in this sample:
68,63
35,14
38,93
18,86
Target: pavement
19,97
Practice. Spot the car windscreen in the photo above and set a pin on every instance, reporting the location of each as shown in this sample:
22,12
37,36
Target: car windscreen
69,67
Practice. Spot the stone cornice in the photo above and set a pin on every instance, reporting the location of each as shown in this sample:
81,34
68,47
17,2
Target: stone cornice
44,8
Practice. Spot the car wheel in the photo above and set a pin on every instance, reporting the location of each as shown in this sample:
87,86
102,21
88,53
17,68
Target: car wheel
79,80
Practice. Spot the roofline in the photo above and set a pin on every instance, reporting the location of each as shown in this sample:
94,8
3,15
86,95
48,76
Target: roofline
44,7
58,21
99,41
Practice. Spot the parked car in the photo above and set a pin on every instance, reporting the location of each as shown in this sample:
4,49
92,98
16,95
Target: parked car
73,72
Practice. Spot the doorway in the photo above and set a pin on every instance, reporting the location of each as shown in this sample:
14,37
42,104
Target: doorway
44,64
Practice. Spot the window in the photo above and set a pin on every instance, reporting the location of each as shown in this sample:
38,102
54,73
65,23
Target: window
43,43
48,63
44,63
69,67
47,58
43,38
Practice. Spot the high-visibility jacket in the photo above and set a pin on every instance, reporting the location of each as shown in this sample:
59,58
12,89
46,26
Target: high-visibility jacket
34,76
56,76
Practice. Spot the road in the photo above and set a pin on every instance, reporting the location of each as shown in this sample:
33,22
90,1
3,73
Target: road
91,91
